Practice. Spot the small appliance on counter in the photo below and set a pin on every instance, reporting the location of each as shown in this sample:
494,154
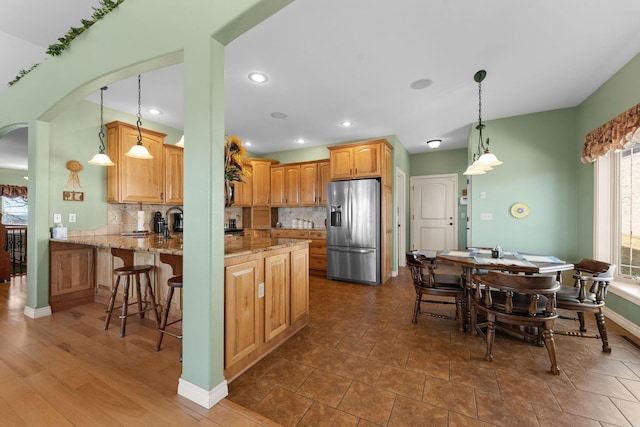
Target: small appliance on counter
158,222
177,221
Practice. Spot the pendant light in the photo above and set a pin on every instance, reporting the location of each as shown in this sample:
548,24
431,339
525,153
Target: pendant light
139,151
181,142
483,159
101,159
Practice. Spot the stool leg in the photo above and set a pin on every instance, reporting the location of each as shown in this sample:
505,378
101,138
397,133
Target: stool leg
125,304
153,299
165,317
112,300
139,295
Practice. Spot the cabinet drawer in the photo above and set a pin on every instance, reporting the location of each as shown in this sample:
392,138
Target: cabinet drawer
318,235
318,247
290,234
317,262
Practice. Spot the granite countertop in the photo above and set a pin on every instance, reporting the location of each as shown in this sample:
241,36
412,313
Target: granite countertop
233,245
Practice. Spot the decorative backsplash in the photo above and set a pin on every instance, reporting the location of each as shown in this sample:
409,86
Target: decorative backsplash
315,214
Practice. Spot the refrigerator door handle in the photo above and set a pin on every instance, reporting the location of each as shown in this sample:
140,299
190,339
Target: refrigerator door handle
351,250
350,213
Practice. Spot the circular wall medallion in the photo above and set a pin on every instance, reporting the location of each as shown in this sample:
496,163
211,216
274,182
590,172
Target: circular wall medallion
520,210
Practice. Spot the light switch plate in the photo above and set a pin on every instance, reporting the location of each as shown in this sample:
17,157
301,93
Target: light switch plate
486,216
72,217
57,218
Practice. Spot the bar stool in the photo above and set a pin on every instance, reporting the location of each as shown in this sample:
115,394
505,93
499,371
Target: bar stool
173,283
130,272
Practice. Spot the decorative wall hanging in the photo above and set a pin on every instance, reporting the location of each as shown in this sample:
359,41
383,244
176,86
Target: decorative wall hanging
74,167
520,210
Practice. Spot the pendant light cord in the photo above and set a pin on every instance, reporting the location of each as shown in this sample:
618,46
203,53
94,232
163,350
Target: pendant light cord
139,122
101,133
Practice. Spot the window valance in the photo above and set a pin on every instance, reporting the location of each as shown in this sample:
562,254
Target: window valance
617,134
13,191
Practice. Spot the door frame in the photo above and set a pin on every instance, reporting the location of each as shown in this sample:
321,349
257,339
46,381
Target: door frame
454,201
401,217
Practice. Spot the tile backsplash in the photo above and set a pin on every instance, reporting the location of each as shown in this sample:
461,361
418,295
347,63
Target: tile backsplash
316,214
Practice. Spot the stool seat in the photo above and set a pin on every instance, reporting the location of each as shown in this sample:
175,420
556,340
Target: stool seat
131,272
172,283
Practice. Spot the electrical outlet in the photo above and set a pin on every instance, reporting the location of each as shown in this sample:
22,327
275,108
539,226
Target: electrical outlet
57,218
72,217
486,216
261,290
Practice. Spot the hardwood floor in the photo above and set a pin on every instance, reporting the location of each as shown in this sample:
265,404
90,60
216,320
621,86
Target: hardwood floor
360,362
64,370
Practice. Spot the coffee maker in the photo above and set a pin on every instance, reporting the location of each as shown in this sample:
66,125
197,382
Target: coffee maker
158,222
177,221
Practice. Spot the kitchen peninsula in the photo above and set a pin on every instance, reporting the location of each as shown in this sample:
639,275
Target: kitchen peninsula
266,285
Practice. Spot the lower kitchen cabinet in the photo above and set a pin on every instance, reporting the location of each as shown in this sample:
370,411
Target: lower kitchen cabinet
266,302
71,275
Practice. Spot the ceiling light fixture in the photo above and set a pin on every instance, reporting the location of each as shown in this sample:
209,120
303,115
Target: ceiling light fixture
258,77
434,143
139,151
421,84
101,159
278,115
154,111
181,142
300,140
346,123
483,159
248,143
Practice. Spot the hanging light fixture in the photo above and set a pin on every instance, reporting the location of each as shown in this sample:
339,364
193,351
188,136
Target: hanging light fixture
181,142
101,159
483,159
139,151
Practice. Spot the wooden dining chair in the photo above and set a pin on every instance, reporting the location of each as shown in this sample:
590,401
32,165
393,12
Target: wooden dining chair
591,279
521,304
428,285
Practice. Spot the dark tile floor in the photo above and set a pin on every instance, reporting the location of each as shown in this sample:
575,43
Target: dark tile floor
361,362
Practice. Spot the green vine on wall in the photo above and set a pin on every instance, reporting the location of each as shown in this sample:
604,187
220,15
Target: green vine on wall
106,6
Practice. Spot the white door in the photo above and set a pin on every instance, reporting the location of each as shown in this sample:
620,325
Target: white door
434,211
400,217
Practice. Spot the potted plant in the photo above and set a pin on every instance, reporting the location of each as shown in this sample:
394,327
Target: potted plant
234,153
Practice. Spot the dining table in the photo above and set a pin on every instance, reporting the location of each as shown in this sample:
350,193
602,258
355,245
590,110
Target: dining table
476,260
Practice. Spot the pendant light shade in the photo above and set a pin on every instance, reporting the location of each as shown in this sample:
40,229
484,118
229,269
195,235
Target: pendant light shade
181,142
139,151
483,159
101,159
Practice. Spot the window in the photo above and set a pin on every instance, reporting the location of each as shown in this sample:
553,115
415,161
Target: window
627,228
14,211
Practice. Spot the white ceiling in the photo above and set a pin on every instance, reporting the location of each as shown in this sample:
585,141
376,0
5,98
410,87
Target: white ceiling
329,60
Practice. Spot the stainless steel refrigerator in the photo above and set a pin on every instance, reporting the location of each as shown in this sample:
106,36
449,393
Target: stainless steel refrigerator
353,231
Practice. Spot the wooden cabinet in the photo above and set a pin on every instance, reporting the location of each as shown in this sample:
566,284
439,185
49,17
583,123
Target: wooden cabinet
359,160
71,275
173,174
241,314
318,251
290,233
277,275
261,171
266,302
314,177
134,180
243,191
324,176
285,185
257,233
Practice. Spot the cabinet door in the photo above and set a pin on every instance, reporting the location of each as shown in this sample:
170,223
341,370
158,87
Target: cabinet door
323,178
174,174
261,183
260,217
277,186
292,185
243,191
366,160
276,295
299,284
341,163
72,271
308,184
241,327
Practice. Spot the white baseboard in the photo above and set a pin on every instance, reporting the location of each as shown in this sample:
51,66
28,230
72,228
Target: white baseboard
36,313
622,321
205,398
394,273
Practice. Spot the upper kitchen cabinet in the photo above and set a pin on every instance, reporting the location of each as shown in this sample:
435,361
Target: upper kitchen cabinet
243,191
324,176
174,174
285,185
359,160
314,177
261,172
134,180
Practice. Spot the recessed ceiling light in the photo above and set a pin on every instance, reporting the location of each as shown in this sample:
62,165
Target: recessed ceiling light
421,84
346,123
248,143
258,77
300,141
154,111
278,115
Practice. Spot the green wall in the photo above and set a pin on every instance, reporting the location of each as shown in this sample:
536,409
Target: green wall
74,136
443,162
13,177
537,151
